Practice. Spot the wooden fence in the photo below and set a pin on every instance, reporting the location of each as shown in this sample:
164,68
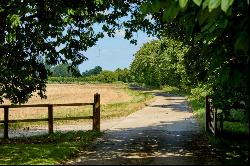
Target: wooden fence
50,119
211,117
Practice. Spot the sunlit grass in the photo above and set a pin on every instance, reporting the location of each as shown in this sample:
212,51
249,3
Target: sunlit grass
45,149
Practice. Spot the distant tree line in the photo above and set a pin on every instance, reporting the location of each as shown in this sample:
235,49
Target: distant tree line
96,74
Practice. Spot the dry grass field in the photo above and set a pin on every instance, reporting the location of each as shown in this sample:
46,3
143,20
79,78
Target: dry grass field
70,93
74,93
116,101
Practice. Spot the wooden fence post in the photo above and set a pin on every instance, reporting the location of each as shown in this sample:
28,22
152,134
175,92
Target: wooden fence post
6,122
207,114
96,112
215,122
50,118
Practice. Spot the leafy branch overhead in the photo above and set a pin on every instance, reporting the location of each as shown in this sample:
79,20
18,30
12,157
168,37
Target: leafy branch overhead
35,32
217,33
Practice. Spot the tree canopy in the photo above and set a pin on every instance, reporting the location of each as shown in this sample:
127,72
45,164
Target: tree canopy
160,62
57,31
54,31
96,70
62,70
218,36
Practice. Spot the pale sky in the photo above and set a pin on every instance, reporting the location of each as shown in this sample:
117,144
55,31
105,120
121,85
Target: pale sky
113,53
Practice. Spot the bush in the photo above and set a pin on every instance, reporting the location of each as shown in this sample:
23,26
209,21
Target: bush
107,76
200,92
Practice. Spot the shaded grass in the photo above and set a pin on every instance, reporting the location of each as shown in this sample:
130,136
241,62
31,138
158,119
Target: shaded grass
232,146
45,149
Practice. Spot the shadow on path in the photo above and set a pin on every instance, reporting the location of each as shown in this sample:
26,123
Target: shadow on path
164,133
150,145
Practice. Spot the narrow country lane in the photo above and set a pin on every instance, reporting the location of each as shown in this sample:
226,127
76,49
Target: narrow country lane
164,133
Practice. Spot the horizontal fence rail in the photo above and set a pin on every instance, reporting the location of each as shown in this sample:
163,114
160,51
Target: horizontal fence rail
45,105
50,119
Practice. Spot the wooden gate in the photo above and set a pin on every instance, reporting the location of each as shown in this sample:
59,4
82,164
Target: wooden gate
211,117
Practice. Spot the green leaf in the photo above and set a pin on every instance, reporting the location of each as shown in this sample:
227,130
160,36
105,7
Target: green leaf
1,9
242,41
144,8
170,13
99,2
203,16
156,6
197,2
183,3
14,20
225,4
205,4
213,4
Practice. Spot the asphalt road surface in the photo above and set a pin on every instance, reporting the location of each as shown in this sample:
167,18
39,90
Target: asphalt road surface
163,133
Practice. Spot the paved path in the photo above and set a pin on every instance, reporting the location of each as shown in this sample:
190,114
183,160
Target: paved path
164,133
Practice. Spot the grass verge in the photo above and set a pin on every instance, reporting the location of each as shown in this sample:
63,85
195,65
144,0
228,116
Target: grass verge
45,149
232,146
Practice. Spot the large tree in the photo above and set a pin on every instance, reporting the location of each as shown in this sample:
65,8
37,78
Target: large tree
62,70
96,70
216,30
218,36
54,31
160,62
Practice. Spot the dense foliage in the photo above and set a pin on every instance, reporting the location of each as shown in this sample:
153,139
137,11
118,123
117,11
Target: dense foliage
124,75
63,70
104,76
217,34
96,70
160,62
215,31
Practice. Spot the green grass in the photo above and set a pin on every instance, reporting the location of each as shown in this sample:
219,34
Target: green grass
138,101
45,149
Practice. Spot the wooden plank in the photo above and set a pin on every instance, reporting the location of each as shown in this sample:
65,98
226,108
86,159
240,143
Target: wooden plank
50,118
215,122
96,112
73,104
45,105
74,118
25,120
6,121
211,115
46,119
21,106
212,124
207,110
211,128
